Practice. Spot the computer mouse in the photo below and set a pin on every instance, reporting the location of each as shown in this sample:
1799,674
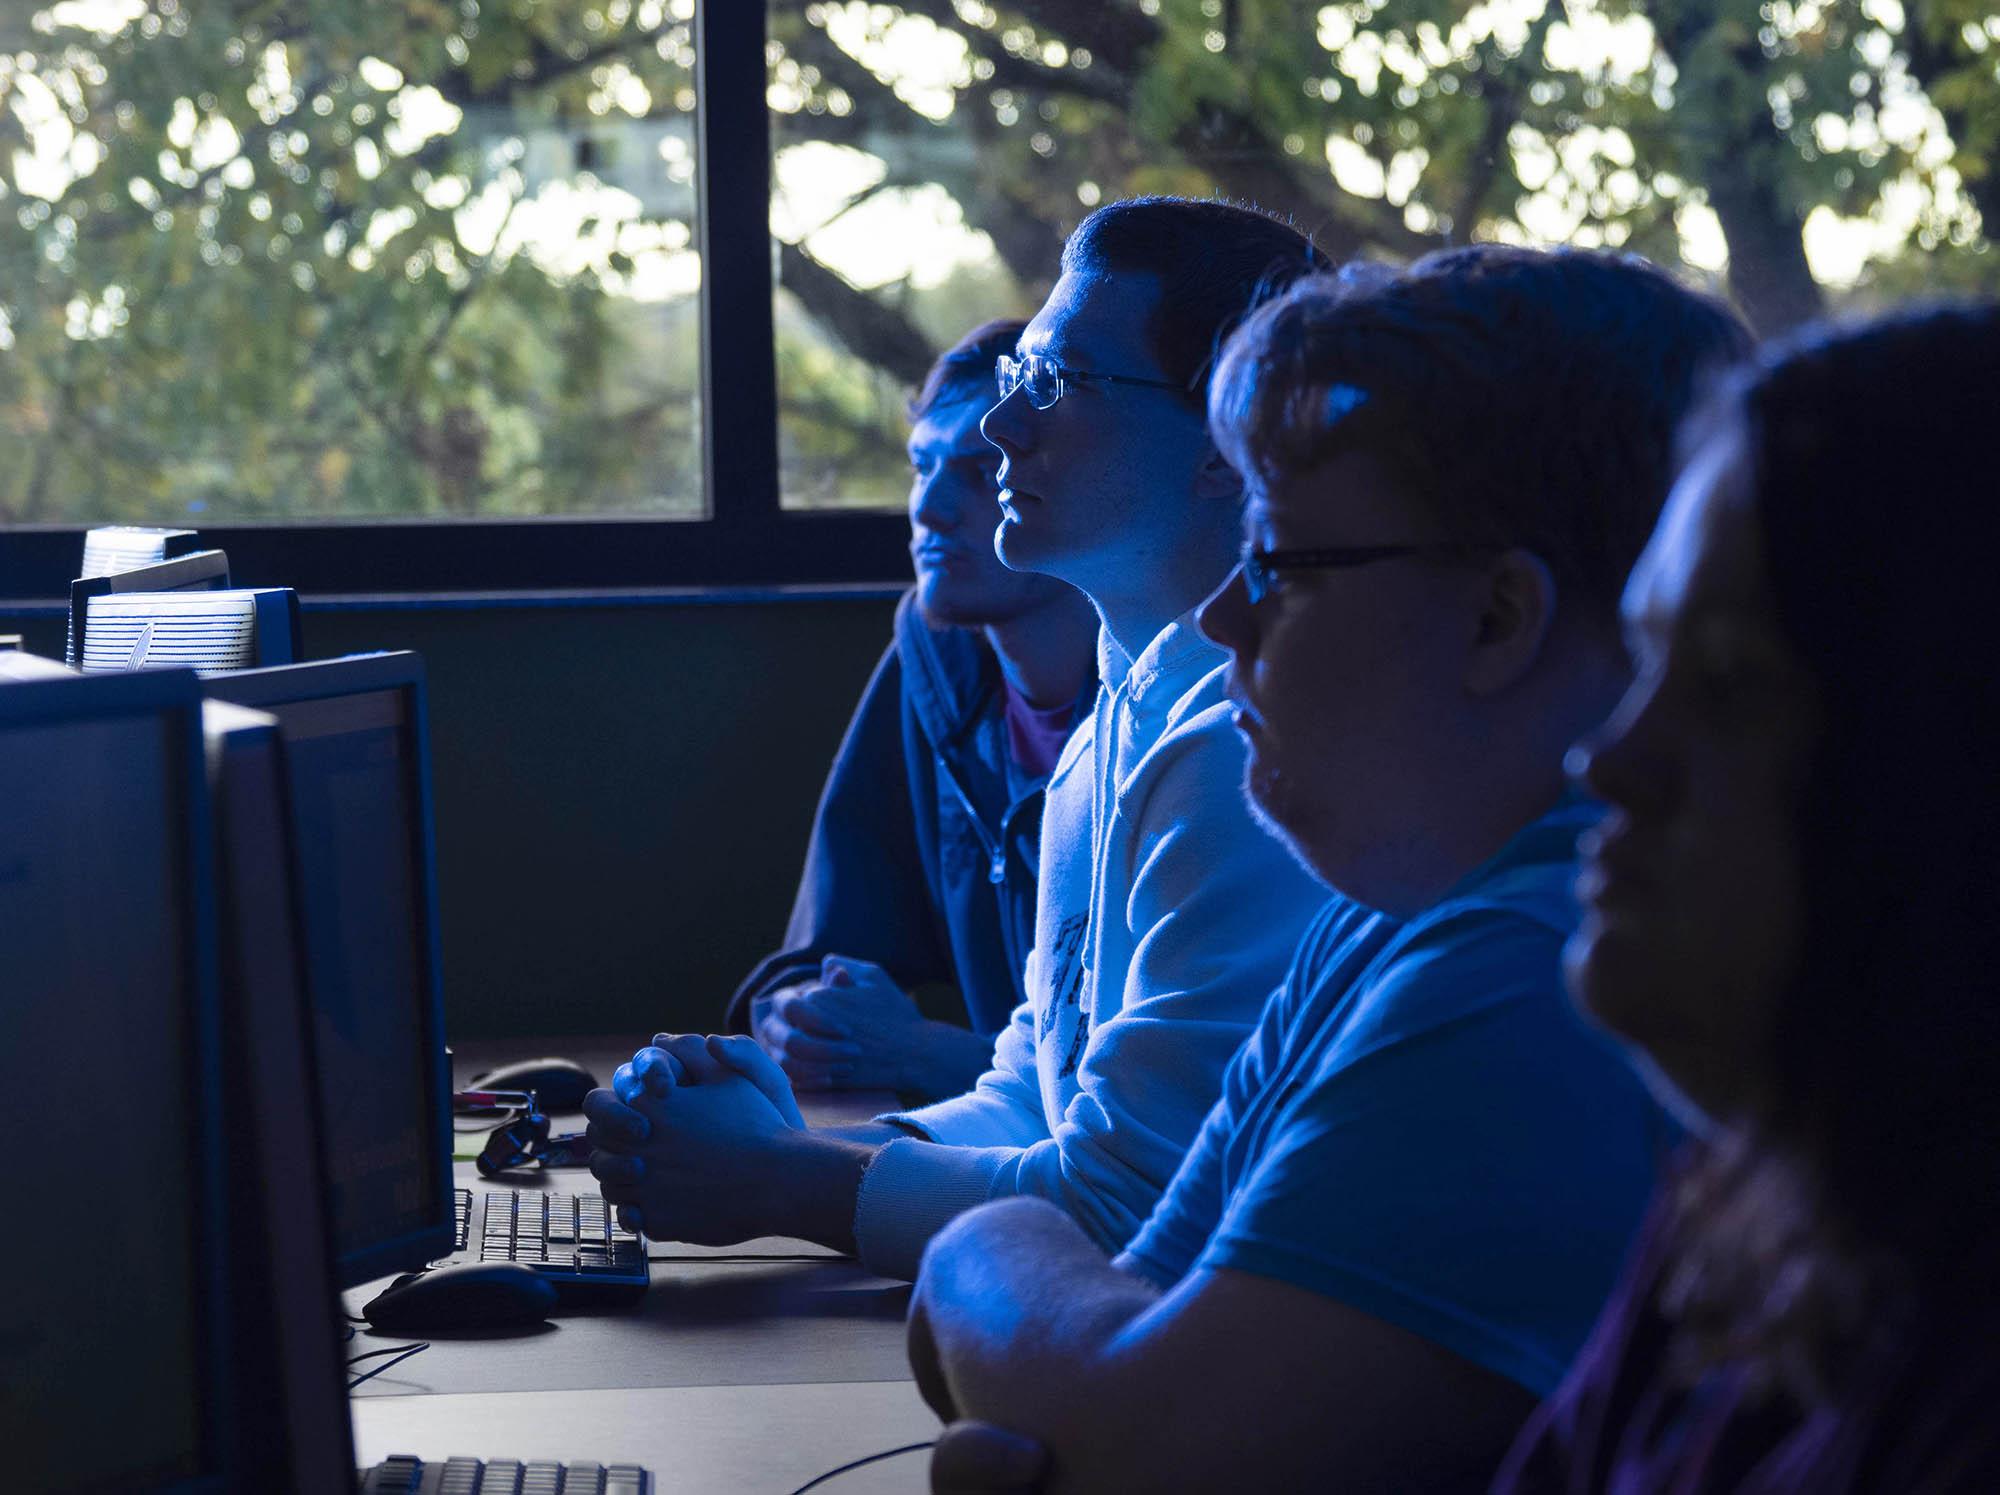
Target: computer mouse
471,1295
559,1084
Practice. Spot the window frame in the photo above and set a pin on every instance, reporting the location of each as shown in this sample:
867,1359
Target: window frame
748,539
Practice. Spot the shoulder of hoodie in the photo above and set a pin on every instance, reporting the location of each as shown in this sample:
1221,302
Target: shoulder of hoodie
1197,719
1197,722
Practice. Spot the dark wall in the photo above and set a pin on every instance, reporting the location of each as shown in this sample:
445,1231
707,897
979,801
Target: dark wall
623,792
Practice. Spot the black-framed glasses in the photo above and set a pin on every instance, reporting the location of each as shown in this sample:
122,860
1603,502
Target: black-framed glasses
1047,381
1261,568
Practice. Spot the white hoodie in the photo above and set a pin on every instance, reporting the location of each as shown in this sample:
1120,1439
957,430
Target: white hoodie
1164,918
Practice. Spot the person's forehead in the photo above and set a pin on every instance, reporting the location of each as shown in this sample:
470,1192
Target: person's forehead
1351,498
952,425
1098,321
1704,560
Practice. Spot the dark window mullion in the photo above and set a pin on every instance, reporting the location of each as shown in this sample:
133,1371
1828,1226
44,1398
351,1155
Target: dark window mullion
739,398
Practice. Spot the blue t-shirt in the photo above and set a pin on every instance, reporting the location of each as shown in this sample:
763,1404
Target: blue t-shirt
1421,1128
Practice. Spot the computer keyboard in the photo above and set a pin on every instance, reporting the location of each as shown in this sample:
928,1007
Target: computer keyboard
572,1239
403,1475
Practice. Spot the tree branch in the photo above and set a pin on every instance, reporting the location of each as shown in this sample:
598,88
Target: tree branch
1722,85
868,328
1502,97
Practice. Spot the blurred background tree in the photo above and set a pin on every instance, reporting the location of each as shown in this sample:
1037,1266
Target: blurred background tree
276,260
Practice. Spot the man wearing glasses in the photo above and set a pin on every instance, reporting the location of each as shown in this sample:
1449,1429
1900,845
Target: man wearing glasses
921,869
1165,914
1400,1220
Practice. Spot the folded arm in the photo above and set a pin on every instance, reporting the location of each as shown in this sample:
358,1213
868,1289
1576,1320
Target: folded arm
1228,1380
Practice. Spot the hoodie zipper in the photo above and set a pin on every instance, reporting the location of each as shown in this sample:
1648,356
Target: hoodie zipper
996,854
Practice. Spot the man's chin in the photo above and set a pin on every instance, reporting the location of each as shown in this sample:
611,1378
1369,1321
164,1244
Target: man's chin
942,605
1275,813
1015,543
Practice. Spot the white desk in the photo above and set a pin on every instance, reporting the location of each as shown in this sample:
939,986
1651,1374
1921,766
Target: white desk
729,1376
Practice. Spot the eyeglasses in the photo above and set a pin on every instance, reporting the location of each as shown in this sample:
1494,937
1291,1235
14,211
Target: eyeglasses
1047,381
1261,568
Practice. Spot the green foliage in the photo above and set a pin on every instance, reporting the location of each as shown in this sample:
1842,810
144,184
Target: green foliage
264,259
250,291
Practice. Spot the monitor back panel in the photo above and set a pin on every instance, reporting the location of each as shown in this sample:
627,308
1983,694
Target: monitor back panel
356,765
293,1428
115,1345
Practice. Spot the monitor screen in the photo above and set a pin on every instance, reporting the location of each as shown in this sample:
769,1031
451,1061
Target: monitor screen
113,1363
354,742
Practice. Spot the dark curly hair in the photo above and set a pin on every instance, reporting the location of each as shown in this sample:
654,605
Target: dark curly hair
1867,1199
1525,397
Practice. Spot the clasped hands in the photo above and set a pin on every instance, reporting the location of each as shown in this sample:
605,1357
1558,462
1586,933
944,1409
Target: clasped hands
851,1027
688,1144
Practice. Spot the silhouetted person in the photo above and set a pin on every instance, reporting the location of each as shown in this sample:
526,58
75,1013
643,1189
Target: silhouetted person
921,869
1790,916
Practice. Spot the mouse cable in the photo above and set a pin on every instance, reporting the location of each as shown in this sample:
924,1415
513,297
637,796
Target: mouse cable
405,1352
888,1453
376,1354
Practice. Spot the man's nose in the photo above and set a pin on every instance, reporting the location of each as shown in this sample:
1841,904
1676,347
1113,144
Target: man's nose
1005,425
1225,619
935,501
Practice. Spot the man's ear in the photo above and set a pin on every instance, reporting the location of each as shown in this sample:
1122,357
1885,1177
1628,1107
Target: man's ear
1215,478
1517,611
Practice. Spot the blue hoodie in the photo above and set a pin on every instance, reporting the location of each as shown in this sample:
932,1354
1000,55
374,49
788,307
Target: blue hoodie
925,848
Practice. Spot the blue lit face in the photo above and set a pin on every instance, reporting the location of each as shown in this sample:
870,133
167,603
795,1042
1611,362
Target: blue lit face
1348,683
1691,888
1102,481
954,512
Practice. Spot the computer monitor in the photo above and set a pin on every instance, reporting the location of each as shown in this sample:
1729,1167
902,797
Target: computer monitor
357,765
292,1431
111,548
207,632
112,1327
188,571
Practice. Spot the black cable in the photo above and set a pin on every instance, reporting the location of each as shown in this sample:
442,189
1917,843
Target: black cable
887,1453
373,1354
407,1351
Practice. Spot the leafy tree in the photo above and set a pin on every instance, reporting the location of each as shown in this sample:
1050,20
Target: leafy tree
1727,136
272,258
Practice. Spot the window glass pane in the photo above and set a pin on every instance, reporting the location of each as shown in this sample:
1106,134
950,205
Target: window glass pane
347,260
931,156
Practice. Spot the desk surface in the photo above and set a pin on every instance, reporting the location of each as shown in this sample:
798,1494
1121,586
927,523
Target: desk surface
697,1440
729,1375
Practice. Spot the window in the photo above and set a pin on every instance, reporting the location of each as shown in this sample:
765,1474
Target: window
353,262
484,293
930,157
